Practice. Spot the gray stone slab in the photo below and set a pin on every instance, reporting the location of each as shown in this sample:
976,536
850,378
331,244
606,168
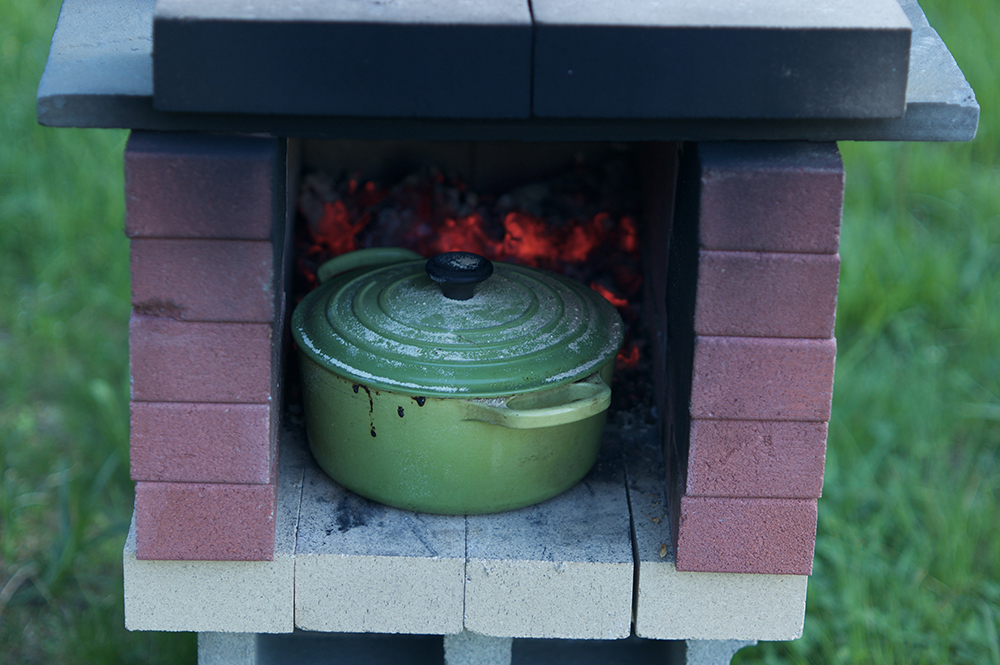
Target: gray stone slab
720,59
937,93
100,49
100,74
560,569
672,605
408,58
361,567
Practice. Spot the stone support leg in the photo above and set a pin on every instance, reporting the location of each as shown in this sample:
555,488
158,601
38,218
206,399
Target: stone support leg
713,652
467,648
227,649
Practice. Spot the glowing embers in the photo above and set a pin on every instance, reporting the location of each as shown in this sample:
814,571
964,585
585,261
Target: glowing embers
569,225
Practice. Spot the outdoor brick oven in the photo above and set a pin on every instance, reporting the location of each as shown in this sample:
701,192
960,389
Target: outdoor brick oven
209,246
700,527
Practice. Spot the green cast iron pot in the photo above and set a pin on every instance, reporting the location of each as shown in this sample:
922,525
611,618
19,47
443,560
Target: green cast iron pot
489,398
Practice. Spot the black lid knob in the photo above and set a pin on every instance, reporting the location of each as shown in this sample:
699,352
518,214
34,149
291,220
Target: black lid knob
458,273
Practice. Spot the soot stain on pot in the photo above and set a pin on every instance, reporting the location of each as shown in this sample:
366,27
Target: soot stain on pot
371,404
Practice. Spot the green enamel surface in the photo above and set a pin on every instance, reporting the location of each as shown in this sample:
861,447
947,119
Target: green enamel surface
392,328
427,454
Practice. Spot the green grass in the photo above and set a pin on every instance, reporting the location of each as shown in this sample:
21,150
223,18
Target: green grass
65,497
908,555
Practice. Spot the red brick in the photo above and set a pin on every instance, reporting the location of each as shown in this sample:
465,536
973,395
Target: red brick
204,280
202,443
765,294
756,459
767,536
770,196
204,521
202,186
189,361
761,378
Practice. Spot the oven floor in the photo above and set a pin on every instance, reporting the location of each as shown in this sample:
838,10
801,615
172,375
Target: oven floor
594,563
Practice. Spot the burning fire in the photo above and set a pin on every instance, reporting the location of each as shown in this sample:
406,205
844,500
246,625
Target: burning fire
431,214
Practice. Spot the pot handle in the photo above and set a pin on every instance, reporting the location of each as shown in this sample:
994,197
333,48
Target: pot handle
558,406
372,257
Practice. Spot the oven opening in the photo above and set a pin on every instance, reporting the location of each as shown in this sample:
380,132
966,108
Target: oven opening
597,213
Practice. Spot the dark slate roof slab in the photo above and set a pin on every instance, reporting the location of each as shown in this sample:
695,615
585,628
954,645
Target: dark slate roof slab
379,58
720,59
100,74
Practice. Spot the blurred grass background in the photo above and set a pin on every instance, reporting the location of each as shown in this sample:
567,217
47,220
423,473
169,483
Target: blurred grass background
65,497
908,548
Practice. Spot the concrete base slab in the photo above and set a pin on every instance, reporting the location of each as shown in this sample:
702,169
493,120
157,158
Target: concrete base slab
560,569
548,599
370,594
217,596
361,567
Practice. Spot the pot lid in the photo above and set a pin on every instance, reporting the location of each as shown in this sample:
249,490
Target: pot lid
393,327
